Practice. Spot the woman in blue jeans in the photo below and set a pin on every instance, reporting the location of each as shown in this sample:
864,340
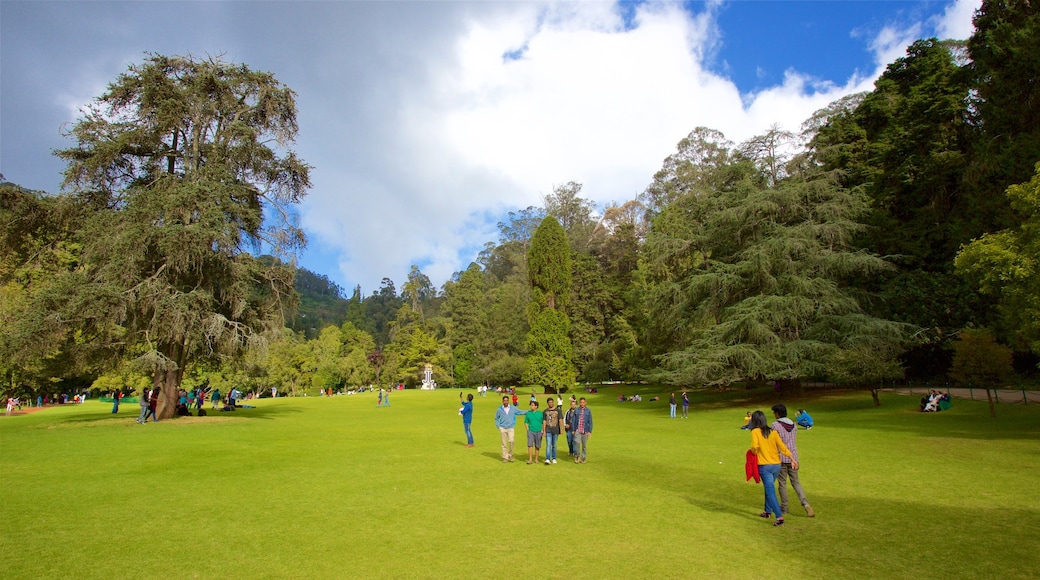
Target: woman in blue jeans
768,447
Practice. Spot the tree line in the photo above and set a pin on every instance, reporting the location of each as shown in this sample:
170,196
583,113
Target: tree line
856,250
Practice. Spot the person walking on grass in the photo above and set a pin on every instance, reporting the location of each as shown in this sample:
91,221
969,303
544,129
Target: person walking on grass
534,420
788,432
553,420
116,395
581,426
567,418
685,405
505,420
466,410
768,447
144,406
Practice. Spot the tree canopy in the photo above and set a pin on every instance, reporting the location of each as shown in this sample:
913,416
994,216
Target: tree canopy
183,164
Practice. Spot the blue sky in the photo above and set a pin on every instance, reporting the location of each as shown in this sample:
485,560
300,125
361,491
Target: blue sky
426,122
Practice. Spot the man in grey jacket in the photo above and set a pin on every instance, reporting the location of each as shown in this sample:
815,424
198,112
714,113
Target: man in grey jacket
581,426
788,432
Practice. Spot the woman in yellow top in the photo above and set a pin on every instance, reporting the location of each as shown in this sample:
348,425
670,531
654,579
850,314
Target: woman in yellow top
767,445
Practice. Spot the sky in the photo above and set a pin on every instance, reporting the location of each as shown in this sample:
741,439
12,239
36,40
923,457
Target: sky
427,122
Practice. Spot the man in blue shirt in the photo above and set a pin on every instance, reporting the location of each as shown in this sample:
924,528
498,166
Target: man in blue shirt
581,426
505,420
466,410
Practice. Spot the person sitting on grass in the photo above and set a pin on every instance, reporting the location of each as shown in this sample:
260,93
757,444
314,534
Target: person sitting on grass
932,404
804,419
747,420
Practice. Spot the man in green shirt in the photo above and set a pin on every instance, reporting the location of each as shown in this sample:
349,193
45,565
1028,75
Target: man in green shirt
533,419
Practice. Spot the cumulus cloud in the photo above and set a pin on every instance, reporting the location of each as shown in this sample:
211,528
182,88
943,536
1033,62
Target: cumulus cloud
427,122
540,95
955,21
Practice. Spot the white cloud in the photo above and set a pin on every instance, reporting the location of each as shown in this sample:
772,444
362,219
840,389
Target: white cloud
422,131
580,97
891,42
955,21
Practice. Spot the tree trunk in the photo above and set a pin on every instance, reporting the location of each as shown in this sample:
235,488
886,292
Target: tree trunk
171,382
790,388
992,409
874,394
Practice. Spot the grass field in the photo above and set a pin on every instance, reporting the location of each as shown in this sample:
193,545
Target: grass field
338,488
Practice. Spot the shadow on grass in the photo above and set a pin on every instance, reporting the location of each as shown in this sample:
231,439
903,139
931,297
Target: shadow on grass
267,412
852,409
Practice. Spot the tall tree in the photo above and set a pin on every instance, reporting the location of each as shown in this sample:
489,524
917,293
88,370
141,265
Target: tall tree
753,283
1004,53
417,290
1006,264
573,212
548,343
469,325
186,165
40,249
698,164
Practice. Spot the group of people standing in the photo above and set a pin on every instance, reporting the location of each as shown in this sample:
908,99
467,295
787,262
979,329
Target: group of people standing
685,405
774,450
575,423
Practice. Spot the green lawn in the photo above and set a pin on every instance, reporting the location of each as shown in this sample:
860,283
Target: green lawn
316,487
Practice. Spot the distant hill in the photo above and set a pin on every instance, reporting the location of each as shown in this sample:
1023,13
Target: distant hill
321,303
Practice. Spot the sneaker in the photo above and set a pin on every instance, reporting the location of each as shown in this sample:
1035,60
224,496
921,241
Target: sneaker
510,459
809,428
576,460
554,461
764,515
809,511
779,522
548,461
583,460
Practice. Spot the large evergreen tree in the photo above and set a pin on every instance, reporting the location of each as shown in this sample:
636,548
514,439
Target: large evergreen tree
750,282
185,165
548,342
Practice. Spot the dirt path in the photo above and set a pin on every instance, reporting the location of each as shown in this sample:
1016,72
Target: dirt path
1000,395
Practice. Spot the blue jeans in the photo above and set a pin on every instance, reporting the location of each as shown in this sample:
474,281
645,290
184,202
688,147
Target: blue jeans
672,415
550,446
469,434
570,443
769,473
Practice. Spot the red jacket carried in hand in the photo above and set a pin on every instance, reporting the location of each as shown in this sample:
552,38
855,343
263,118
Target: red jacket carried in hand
751,466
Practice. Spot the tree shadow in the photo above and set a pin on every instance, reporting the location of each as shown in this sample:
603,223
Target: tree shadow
265,412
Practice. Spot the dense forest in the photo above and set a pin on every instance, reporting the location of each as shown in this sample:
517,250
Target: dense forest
857,250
